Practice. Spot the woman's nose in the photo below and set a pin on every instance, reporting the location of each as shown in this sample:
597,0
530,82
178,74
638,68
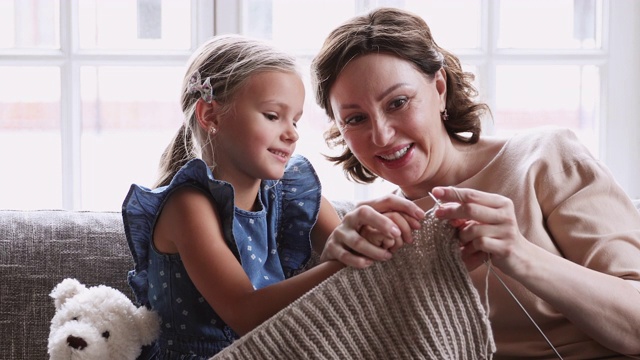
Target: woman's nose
382,131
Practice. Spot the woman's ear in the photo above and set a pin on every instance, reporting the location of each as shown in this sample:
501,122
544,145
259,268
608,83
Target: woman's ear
440,78
206,114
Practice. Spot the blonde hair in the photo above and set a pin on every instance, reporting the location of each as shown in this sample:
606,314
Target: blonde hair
228,61
407,36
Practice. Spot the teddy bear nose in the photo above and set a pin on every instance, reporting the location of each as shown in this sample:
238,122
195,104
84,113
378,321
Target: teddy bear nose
76,342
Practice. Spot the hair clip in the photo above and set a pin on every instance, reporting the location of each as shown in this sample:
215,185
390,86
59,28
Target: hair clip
204,89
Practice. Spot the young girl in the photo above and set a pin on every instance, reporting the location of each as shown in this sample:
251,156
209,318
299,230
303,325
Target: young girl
234,214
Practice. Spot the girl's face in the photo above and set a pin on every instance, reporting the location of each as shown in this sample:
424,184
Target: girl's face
258,136
389,115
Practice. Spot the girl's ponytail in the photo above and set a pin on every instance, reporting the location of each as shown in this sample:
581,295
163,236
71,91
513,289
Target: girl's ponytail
181,149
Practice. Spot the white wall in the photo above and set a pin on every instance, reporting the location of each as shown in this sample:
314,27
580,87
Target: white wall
621,135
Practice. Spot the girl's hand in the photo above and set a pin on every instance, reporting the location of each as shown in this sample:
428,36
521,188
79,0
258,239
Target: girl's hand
404,222
372,230
487,226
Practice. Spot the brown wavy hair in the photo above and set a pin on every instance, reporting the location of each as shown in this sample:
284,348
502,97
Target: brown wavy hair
407,36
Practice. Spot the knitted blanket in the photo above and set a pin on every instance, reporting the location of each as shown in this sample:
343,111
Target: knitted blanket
421,304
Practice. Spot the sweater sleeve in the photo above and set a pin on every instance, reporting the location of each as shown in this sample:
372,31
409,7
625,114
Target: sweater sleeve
589,216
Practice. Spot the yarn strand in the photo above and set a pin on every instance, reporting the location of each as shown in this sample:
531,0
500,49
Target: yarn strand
488,264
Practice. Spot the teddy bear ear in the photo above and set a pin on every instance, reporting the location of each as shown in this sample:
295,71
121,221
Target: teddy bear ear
65,290
148,323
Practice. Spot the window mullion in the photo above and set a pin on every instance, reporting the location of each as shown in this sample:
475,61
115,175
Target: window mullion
604,81
203,12
227,17
70,107
490,32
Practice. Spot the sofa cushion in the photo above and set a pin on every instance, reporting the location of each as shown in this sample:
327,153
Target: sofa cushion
38,249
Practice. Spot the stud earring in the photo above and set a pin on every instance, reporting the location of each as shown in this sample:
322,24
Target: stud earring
444,116
213,131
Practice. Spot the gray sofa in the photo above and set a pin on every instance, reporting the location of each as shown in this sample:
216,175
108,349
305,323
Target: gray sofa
38,249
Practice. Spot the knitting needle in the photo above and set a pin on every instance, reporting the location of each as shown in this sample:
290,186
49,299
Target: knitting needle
488,263
435,199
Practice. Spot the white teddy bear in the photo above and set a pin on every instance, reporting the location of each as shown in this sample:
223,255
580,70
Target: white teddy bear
98,322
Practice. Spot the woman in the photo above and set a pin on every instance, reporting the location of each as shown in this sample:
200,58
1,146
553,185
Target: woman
546,216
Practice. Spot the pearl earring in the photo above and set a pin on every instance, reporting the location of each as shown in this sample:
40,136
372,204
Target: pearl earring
444,116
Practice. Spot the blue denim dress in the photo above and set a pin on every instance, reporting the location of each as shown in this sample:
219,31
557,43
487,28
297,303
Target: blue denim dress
272,244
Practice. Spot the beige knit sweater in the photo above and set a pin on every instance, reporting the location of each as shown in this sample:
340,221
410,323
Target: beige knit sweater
420,304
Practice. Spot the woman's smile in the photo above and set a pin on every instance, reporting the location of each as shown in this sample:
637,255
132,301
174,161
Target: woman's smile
398,158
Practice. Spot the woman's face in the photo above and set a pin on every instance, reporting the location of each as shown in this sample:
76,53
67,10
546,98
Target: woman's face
389,115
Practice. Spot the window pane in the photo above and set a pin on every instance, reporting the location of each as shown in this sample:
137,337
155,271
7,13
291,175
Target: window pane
129,115
311,144
566,96
30,138
455,24
142,24
550,24
29,24
295,25
282,20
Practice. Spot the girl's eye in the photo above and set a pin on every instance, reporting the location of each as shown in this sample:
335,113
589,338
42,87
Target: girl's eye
398,103
271,117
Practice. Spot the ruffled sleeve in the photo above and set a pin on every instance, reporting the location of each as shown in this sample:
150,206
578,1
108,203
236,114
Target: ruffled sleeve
301,193
142,206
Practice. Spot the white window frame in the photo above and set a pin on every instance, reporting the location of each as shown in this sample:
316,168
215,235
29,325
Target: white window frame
620,132
619,61
70,59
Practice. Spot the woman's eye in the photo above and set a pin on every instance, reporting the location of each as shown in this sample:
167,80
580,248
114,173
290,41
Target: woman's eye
397,103
352,120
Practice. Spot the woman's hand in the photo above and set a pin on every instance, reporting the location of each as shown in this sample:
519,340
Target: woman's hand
486,225
372,231
588,298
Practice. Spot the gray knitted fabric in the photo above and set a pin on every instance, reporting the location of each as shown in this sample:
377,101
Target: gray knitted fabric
421,304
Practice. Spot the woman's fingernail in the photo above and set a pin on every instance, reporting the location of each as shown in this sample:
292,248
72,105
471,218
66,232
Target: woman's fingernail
395,231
